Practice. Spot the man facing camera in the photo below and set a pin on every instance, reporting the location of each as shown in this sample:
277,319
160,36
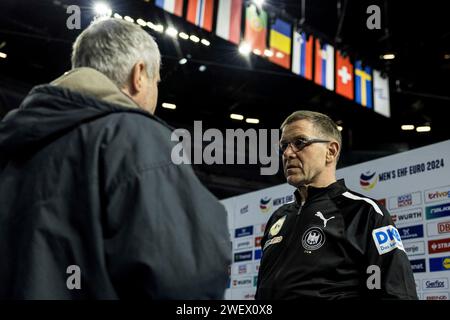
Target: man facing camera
326,244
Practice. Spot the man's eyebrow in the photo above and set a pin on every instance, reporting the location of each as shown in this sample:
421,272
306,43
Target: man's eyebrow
301,136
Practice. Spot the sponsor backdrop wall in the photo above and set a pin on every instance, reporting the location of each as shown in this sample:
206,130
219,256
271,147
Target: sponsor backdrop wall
415,188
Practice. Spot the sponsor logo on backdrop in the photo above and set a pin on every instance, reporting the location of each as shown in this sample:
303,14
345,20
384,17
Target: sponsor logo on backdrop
431,284
405,200
243,232
258,254
418,265
438,228
411,232
264,204
258,242
368,180
439,211
436,296
440,264
243,256
242,269
283,200
387,239
243,243
437,194
412,215
249,296
244,294
438,246
255,281
313,239
382,202
262,228
244,209
415,248
242,282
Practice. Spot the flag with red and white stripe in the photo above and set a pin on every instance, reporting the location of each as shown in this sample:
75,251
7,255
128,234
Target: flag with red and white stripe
229,17
172,6
200,13
324,65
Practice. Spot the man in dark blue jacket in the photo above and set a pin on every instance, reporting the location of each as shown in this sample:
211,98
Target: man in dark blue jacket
91,205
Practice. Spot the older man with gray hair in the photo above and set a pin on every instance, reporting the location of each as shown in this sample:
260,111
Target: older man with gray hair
91,204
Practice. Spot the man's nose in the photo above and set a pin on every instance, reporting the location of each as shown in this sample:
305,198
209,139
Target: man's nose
289,152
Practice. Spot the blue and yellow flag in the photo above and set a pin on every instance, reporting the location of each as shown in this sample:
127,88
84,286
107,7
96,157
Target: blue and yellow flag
280,43
363,85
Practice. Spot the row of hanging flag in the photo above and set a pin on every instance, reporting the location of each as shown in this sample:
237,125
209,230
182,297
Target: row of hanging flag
289,48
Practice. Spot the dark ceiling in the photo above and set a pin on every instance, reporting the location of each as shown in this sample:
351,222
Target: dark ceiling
38,44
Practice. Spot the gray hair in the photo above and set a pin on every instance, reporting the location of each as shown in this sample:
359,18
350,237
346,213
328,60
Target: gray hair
113,46
321,122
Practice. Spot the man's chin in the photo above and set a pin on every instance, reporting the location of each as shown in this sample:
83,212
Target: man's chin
294,180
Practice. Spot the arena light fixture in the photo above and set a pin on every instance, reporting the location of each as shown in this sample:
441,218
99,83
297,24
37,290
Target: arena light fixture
388,56
172,32
252,120
268,53
236,116
423,129
406,127
183,35
167,105
194,38
141,22
102,9
245,48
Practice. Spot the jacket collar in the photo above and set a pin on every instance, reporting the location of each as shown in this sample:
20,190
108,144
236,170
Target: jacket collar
333,190
91,82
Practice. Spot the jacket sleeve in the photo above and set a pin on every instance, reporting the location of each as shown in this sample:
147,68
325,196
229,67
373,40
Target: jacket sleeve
385,250
166,235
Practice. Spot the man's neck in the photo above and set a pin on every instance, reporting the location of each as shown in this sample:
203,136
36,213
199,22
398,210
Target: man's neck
303,190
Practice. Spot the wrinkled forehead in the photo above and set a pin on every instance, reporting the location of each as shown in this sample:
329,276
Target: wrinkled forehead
298,129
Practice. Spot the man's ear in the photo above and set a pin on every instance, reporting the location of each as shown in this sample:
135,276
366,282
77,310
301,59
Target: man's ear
333,151
136,77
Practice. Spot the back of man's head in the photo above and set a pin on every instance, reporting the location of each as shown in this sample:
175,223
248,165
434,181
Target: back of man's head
113,47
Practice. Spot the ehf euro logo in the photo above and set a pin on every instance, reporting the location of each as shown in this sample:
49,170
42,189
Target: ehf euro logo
368,180
264,204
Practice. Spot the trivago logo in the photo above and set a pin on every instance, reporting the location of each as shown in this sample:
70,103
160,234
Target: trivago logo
438,194
264,204
368,180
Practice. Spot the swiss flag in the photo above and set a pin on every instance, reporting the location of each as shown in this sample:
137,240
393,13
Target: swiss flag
344,76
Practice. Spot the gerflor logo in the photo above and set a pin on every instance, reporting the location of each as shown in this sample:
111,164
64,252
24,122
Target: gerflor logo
368,180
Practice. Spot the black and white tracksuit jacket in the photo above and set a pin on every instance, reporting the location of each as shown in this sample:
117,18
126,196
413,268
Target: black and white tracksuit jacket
332,247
